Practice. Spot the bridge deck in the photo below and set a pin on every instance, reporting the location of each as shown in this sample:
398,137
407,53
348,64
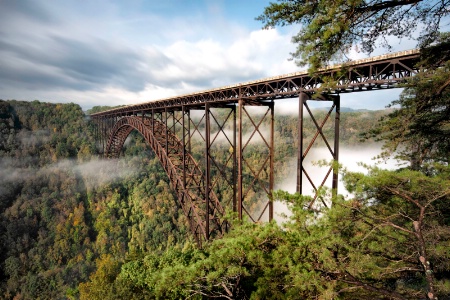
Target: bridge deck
234,176
377,72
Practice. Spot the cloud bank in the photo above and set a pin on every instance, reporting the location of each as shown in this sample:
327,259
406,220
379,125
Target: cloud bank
111,52
106,54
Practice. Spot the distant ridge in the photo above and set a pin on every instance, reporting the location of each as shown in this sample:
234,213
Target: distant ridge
345,109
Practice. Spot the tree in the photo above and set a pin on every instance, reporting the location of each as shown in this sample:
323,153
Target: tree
390,242
401,223
97,109
332,28
419,132
239,266
101,286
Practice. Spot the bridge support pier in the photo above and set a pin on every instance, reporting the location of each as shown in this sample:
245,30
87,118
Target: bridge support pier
239,161
302,173
207,165
255,175
239,179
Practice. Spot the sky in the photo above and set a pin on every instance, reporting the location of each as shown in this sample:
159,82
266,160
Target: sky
108,52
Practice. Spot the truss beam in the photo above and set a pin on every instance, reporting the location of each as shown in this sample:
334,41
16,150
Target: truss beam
381,72
188,133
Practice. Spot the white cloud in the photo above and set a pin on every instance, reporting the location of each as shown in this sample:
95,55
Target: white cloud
96,56
107,53
182,67
209,63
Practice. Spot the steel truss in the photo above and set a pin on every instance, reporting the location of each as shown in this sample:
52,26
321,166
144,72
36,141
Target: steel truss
200,205
222,176
190,134
380,72
259,176
333,150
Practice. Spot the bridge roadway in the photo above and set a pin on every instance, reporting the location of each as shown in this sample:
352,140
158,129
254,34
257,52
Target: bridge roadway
208,186
377,72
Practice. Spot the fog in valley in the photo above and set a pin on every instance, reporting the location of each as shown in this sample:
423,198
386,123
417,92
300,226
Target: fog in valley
351,158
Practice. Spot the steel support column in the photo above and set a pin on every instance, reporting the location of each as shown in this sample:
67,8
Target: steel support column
166,123
302,153
189,147
239,161
153,120
183,140
337,117
303,97
272,158
207,167
104,136
235,167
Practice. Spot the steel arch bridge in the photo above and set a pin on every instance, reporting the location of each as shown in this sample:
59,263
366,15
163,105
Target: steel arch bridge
190,134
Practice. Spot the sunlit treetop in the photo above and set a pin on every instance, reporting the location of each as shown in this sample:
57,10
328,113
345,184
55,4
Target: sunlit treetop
331,28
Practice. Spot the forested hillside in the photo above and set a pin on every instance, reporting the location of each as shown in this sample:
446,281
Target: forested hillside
62,208
76,226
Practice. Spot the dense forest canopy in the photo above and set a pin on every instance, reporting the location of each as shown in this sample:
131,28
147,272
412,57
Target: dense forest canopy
62,208
75,226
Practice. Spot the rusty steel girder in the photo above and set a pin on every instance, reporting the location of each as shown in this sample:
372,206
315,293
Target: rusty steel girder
260,176
380,72
208,185
199,203
332,150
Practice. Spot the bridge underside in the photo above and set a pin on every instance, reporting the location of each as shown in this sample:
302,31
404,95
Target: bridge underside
207,142
208,153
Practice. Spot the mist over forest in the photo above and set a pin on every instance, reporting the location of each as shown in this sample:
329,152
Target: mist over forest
75,225
64,208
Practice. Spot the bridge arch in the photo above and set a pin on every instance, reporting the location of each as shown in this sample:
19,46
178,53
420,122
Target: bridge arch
204,212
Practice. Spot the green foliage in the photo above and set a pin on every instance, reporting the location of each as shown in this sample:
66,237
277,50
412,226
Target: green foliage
97,109
61,209
234,267
419,131
406,224
101,282
73,227
44,222
331,29
390,242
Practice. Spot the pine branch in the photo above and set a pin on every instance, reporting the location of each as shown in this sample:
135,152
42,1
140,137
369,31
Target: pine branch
368,287
443,87
388,4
